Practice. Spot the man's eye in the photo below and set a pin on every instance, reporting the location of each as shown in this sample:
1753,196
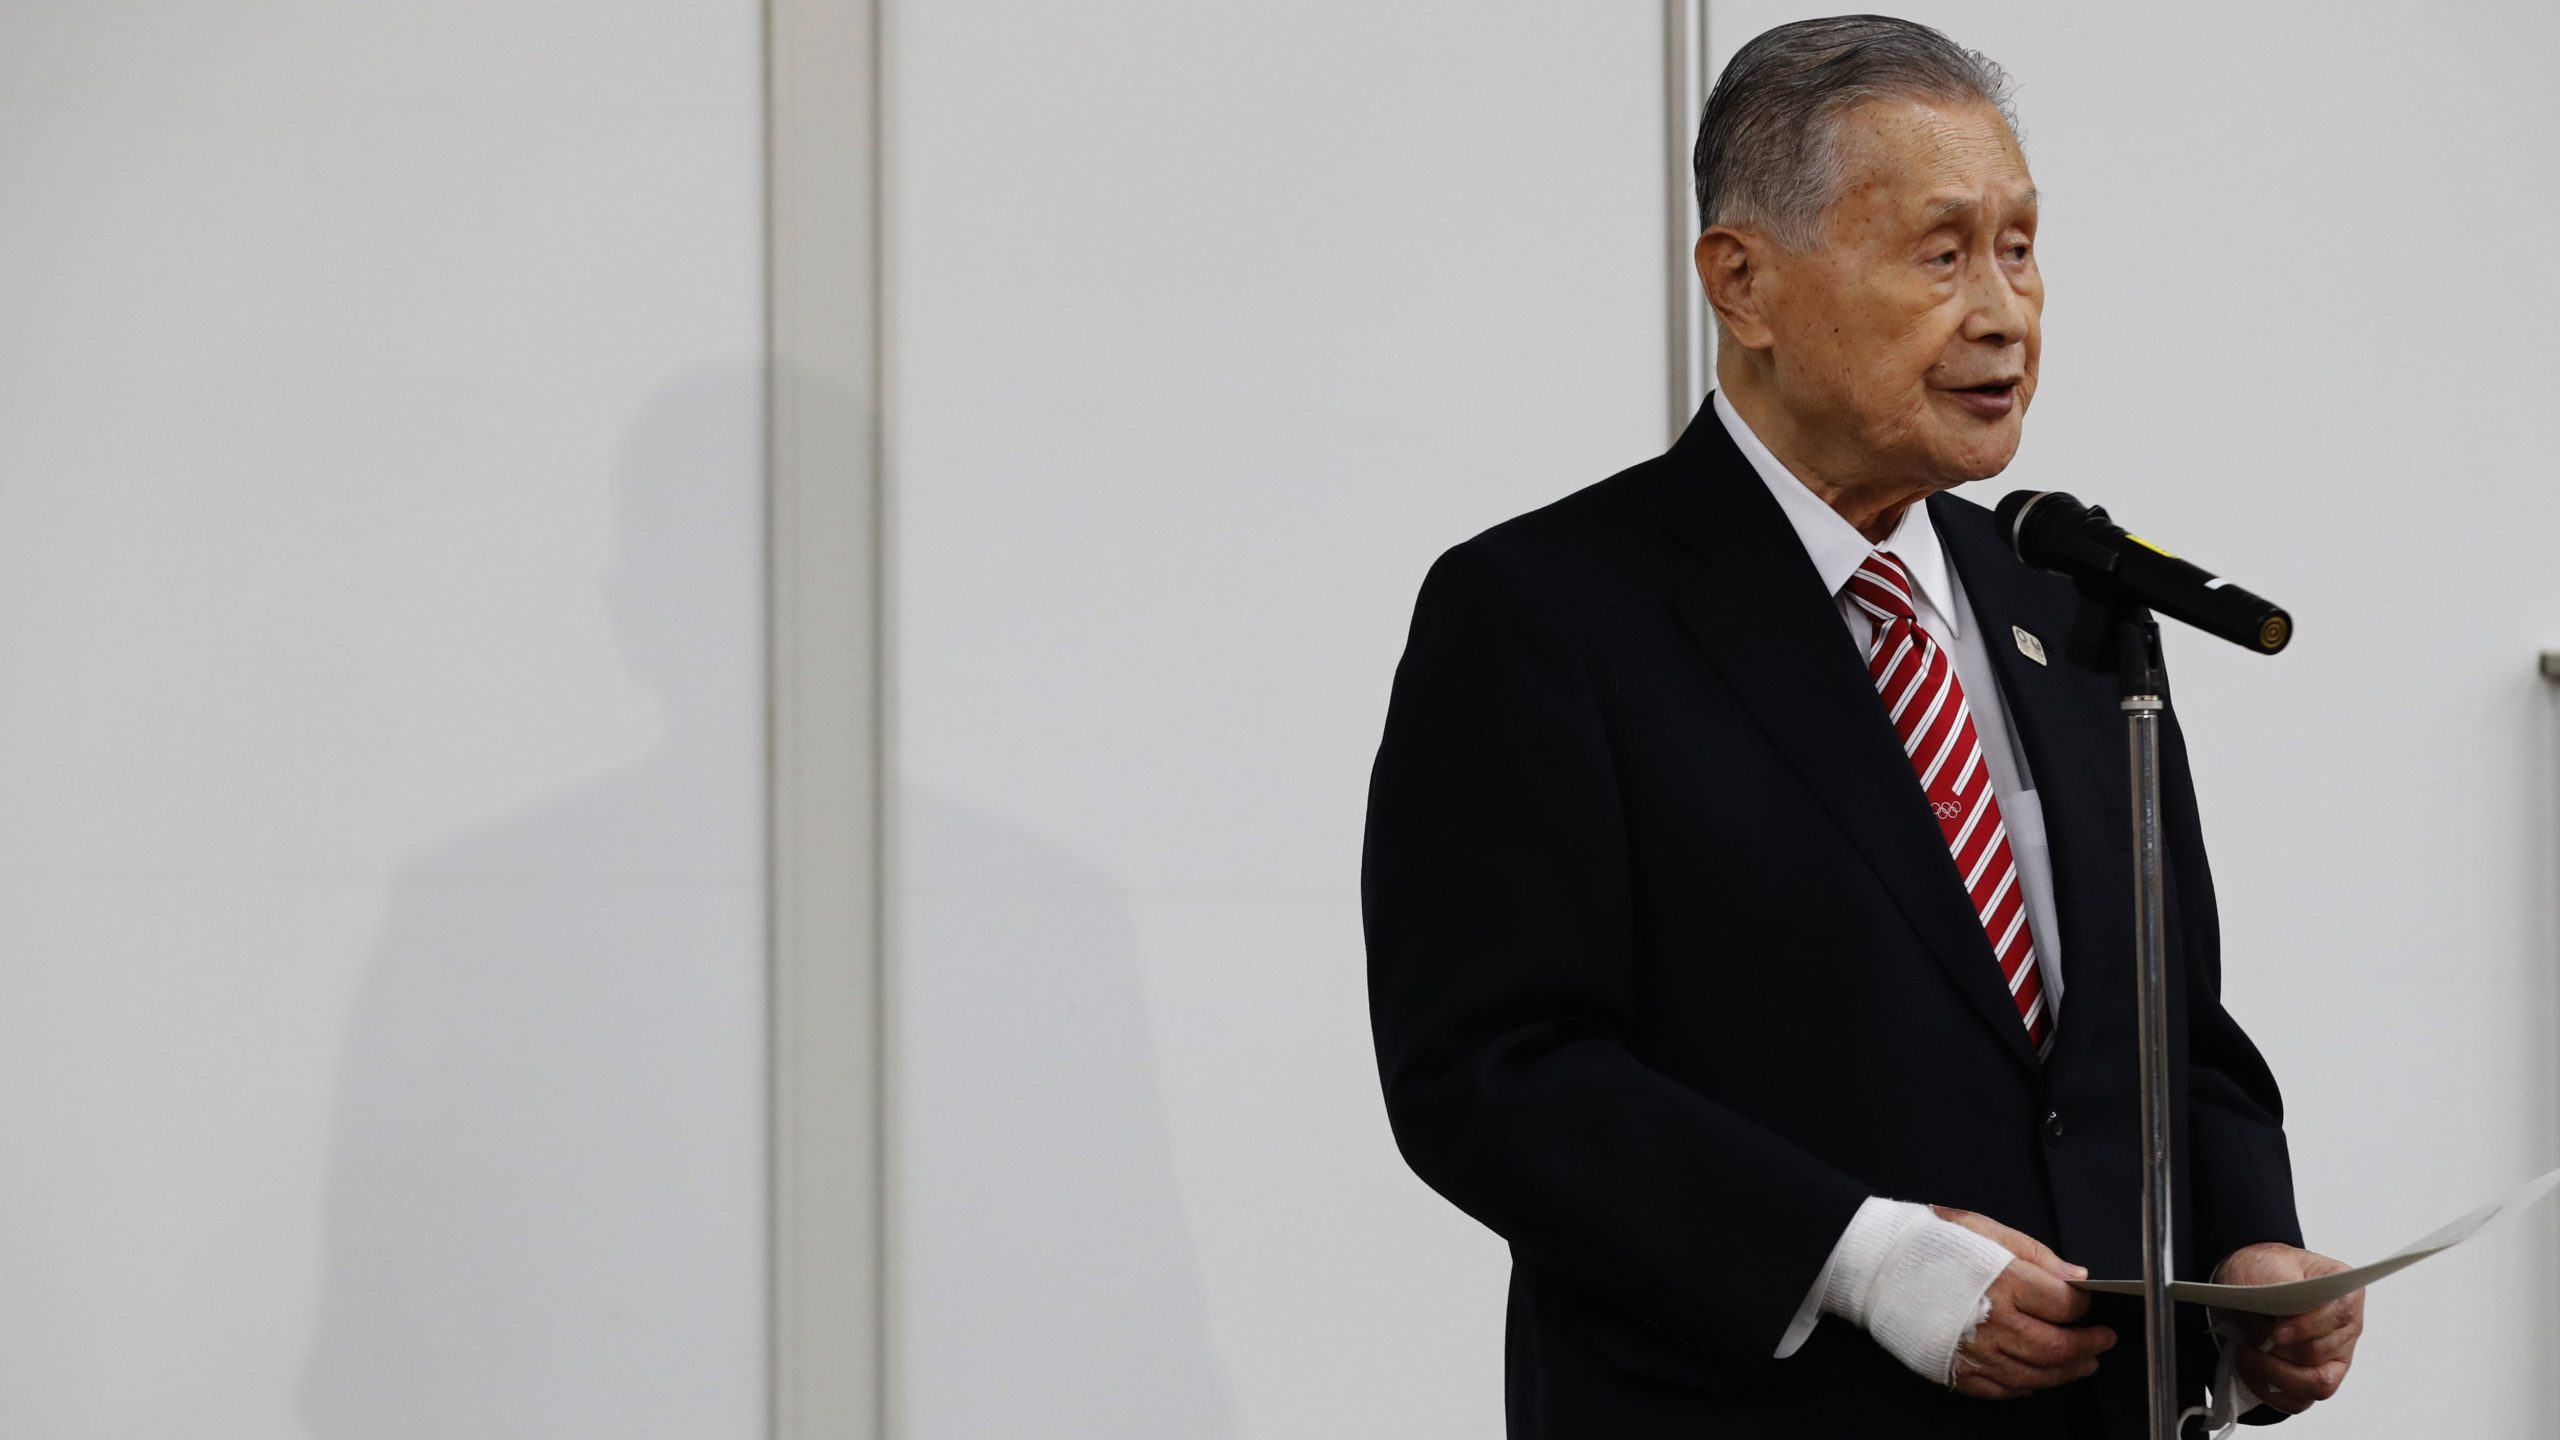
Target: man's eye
1944,257
2017,252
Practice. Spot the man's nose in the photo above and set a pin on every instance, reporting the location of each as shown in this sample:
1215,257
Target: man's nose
1996,313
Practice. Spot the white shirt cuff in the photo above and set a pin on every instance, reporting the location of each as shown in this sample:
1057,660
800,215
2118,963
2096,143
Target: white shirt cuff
1913,1281
2226,1337
1809,1314
1874,1213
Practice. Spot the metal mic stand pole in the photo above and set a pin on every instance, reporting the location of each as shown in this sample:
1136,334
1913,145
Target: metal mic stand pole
2138,669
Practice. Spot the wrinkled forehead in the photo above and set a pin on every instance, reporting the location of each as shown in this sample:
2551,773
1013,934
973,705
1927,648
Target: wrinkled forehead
1925,163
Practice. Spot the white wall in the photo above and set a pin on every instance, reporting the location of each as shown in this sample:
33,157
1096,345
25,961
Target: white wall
1215,323
380,858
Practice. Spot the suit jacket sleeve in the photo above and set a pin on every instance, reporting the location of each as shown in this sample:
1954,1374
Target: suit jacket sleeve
2239,1169
1496,896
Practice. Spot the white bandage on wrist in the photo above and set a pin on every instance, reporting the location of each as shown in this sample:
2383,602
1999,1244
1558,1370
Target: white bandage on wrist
1913,1281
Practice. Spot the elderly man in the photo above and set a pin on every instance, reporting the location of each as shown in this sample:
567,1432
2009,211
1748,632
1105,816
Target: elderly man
1746,877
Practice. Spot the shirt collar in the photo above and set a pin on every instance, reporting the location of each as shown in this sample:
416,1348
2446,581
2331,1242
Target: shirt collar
1833,544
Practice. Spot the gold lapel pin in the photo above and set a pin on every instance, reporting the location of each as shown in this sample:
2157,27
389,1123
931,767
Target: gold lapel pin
2028,645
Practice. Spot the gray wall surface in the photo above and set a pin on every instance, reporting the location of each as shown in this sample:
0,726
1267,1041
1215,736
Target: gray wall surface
381,873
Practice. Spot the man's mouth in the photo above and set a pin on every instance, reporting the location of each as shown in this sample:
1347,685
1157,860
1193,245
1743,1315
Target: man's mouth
1991,399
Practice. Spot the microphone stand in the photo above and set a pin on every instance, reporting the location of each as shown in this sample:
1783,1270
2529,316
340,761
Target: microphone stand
2112,635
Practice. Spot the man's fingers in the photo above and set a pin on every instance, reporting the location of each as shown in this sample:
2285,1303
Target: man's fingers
2014,1354
2312,1324
2022,1377
2258,1374
1982,1387
2060,1268
2303,1382
2018,1242
2051,1347
2025,1353
2336,1345
2289,1404
2042,1294
2010,1373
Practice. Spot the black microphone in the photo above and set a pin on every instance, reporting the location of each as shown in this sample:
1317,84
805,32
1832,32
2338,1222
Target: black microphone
2052,531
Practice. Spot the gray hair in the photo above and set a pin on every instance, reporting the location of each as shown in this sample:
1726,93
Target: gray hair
1768,151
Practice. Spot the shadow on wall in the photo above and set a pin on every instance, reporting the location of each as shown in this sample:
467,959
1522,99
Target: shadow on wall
1050,1281
545,1206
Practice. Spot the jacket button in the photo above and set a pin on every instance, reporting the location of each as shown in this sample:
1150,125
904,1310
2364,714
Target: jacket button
2053,1127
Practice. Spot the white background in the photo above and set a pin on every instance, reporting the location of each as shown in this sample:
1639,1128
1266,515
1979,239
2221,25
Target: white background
1202,349
380,864
380,951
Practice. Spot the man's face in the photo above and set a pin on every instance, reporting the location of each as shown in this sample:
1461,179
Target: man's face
1909,331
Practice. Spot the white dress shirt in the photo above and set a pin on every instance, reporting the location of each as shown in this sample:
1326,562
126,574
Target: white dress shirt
1837,550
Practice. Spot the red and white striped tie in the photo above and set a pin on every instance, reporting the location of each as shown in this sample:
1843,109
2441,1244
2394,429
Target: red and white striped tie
1917,679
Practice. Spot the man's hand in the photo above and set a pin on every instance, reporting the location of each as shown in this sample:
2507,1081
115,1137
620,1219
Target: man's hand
2028,1343
2312,1351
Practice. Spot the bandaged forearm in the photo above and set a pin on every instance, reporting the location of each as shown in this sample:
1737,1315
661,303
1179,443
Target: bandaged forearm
1917,1283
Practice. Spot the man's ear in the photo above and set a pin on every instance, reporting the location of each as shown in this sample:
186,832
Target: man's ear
1733,266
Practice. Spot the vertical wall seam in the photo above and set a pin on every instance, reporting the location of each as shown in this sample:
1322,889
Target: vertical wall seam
883,731
1684,85
826,795
769,619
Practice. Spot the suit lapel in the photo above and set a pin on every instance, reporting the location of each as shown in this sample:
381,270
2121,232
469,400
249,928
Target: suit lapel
2068,724
1770,628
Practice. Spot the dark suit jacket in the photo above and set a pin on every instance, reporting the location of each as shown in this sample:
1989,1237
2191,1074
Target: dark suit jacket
1669,968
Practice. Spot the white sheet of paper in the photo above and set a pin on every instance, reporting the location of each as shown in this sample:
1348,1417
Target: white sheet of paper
2296,1296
